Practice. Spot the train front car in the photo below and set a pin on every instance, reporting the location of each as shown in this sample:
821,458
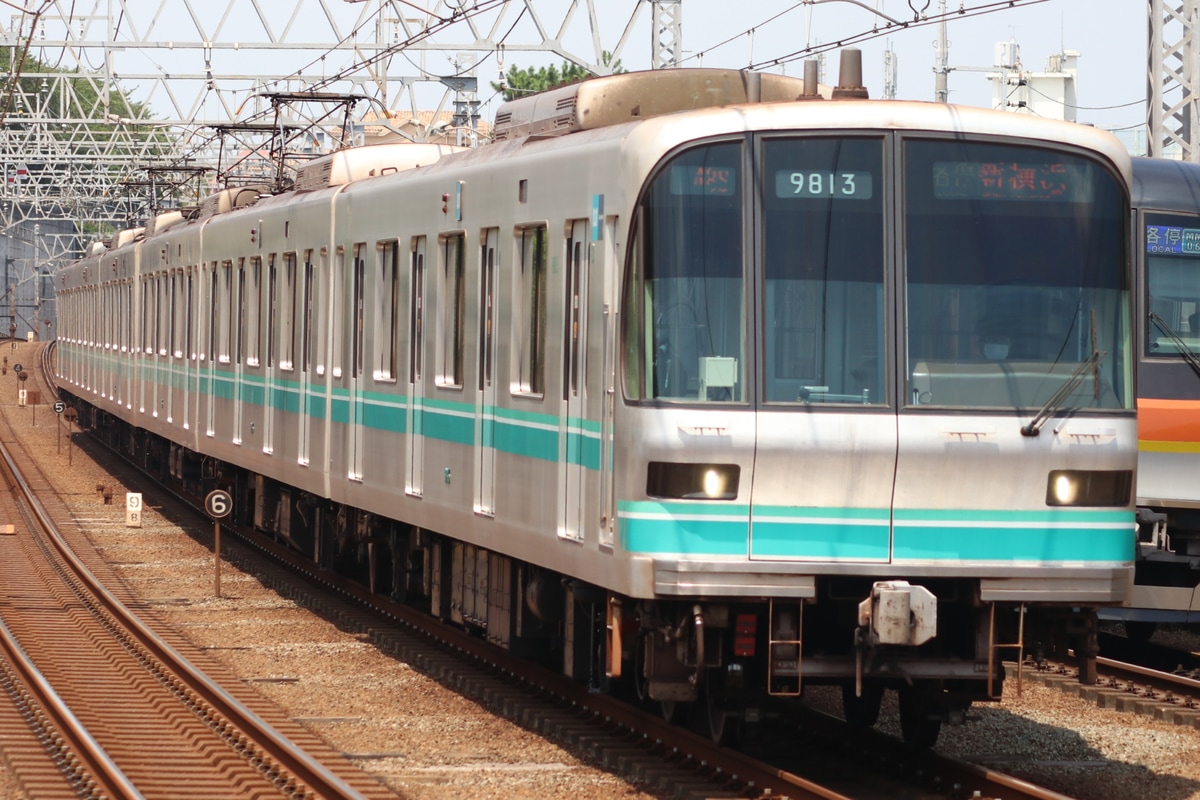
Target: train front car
879,420
1166,213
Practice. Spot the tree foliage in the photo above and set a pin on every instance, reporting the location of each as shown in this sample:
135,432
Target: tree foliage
61,125
519,82
85,100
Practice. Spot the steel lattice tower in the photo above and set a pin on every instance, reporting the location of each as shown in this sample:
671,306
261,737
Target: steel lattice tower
1174,63
667,40
113,108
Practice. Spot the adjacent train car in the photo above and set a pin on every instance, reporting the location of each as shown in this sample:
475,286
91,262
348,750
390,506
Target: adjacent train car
1166,214
694,379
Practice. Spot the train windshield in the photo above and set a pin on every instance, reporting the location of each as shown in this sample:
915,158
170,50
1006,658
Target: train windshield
686,332
823,266
1172,246
1013,261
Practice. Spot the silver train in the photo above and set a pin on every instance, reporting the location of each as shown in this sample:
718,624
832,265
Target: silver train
694,381
1166,209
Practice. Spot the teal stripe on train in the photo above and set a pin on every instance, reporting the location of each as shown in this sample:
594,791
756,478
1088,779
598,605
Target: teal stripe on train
520,433
684,528
1050,535
838,534
851,534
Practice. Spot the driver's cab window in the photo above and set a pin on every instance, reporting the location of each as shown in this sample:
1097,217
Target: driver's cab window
1172,247
685,304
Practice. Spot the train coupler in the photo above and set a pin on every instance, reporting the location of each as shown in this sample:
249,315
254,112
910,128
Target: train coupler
898,613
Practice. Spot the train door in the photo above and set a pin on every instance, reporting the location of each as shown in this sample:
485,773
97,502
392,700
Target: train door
485,403
174,339
826,440
416,381
284,321
190,358
215,343
220,365
162,341
272,324
127,343
572,424
238,346
601,261
148,346
356,316
304,315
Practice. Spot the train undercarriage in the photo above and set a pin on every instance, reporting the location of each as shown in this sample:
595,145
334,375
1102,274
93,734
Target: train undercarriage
720,665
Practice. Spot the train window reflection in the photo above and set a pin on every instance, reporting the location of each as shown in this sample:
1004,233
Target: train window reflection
1040,273
823,265
691,320
1172,247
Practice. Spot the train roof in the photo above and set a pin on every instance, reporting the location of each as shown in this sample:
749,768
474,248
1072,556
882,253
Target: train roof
876,116
1166,185
631,96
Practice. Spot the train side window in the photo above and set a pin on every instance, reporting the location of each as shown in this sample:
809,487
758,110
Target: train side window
633,337
321,280
105,315
189,314
338,288
239,302
529,324
271,326
224,295
173,316
487,305
451,313
416,314
130,318
214,327
116,322
358,311
306,314
147,331
1172,286
251,311
287,313
387,310
166,320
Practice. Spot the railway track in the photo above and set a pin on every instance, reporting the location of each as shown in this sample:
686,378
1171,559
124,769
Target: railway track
1130,685
118,710
626,739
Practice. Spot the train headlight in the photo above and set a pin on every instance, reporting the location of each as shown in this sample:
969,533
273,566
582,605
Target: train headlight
1084,487
1064,488
714,483
692,481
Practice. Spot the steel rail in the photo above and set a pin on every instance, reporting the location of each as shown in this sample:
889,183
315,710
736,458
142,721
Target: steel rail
275,745
78,742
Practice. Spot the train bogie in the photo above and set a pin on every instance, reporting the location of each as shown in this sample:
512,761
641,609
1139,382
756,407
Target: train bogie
698,402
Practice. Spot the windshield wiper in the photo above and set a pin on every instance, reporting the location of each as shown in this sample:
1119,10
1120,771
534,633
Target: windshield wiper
1189,355
1056,400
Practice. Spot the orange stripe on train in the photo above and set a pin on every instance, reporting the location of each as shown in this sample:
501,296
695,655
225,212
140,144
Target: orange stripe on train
1165,421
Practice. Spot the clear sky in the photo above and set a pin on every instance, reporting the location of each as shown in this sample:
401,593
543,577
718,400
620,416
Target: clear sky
1110,35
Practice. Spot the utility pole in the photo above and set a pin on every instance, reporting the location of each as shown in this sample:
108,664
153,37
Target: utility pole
941,66
890,63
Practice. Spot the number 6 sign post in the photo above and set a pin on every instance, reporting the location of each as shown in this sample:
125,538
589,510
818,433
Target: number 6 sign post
218,504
